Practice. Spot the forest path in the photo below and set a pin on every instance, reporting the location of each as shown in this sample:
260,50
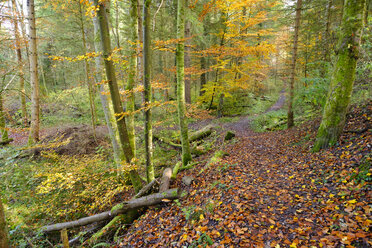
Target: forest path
242,126
269,191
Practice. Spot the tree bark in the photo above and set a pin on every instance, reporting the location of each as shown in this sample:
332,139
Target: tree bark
147,93
165,180
186,154
187,59
34,81
87,73
3,131
132,74
110,122
290,122
22,94
4,243
114,91
118,209
342,80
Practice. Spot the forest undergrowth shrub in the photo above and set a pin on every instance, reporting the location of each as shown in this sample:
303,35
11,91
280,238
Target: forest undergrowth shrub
270,121
56,188
69,106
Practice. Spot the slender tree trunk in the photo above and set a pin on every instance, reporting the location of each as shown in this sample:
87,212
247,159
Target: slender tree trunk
110,121
147,85
4,243
3,131
290,122
326,55
22,95
87,73
186,155
35,107
187,60
132,74
114,91
342,80
139,45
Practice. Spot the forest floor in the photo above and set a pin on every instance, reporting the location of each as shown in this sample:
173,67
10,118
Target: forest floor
271,191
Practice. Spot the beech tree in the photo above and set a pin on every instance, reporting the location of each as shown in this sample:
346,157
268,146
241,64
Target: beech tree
342,80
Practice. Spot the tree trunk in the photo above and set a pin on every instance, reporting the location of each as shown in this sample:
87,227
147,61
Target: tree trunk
4,243
342,80
22,95
114,91
87,73
34,81
326,55
187,60
186,154
165,180
132,74
3,131
290,122
110,121
121,208
150,174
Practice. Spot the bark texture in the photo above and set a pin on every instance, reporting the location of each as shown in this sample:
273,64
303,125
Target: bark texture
4,243
132,74
118,209
150,174
342,80
114,91
110,122
34,81
21,74
180,53
290,120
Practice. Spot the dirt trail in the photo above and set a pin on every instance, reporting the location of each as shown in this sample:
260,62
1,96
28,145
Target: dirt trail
270,191
242,126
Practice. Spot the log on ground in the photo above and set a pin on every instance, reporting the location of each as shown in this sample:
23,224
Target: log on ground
118,209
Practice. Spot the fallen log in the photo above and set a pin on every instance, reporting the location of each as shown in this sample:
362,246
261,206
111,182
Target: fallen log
123,207
167,142
5,142
146,189
165,180
202,133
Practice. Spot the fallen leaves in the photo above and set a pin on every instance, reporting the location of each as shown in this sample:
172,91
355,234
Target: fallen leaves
277,195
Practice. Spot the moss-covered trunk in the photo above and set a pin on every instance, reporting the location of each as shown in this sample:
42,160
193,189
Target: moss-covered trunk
290,121
114,91
132,74
147,87
108,112
3,131
3,230
342,80
186,155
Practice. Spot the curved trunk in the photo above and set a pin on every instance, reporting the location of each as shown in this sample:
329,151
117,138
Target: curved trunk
114,91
